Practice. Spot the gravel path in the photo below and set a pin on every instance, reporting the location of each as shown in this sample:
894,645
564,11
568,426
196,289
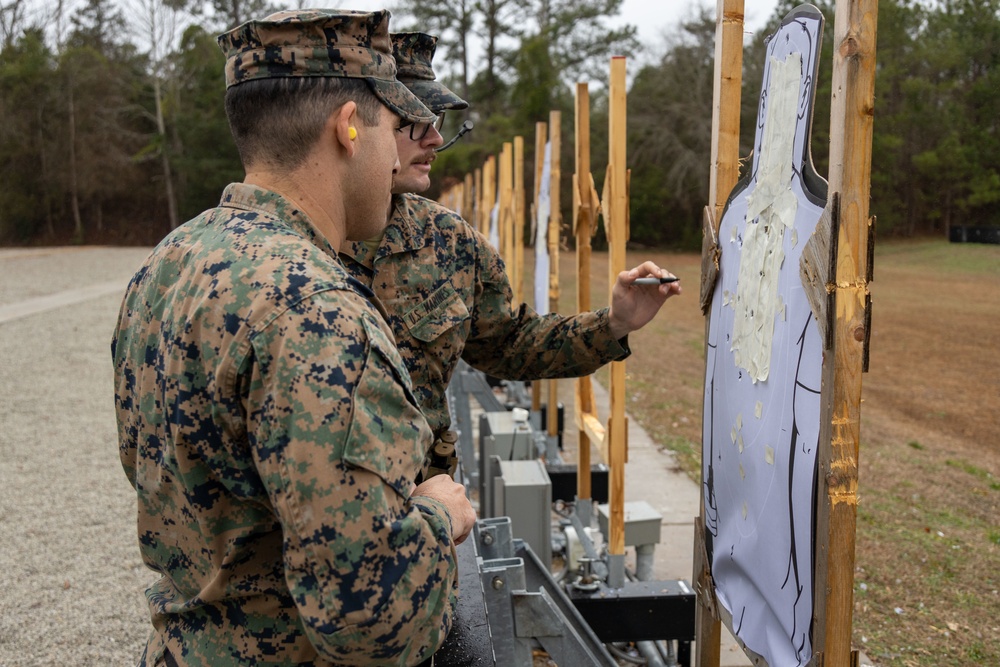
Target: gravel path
71,580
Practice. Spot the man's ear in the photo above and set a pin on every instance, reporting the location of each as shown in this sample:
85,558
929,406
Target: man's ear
343,123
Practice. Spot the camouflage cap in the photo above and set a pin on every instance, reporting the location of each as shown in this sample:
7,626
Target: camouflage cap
317,42
414,52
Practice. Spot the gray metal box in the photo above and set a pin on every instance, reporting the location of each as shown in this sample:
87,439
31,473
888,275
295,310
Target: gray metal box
642,523
502,437
523,492
510,440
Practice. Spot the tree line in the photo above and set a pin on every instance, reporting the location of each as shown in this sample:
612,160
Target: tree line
112,127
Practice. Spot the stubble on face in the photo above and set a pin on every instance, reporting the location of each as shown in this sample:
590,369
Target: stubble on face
370,178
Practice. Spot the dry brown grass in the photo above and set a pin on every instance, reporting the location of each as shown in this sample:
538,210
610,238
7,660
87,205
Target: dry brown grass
928,540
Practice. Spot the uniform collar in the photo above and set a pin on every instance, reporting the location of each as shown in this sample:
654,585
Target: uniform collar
271,204
403,234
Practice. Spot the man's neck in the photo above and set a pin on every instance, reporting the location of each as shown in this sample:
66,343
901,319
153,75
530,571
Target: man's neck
298,188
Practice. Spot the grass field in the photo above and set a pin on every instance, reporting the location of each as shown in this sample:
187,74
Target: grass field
928,540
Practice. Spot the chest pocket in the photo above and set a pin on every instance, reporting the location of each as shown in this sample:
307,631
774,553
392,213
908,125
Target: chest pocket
433,317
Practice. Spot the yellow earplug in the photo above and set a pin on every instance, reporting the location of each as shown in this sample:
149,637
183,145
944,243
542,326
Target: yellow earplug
352,133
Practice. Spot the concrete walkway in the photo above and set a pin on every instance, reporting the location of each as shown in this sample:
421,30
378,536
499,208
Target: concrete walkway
58,300
652,475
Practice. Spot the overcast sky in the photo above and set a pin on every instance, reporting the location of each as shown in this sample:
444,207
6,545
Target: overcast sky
651,16
654,18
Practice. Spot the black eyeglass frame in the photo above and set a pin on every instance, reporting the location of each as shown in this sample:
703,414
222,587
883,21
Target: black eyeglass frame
424,128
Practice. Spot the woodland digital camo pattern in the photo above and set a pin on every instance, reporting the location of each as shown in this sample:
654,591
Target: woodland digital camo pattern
337,43
414,52
448,297
266,422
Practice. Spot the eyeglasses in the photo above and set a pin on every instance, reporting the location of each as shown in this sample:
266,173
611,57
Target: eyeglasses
418,131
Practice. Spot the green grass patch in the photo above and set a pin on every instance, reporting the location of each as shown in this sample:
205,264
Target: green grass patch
973,470
940,255
695,346
976,651
688,453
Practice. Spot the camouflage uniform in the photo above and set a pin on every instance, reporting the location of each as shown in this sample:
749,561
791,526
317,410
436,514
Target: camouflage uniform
266,421
446,289
448,297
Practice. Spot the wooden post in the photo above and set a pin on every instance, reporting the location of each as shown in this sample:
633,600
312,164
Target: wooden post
723,175
489,193
468,196
481,196
616,212
583,212
851,116
505,217
555,224
541,130
724,169
541,136
452,198
477,184
518,240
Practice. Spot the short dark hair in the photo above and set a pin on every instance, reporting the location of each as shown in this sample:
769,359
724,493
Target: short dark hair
278,120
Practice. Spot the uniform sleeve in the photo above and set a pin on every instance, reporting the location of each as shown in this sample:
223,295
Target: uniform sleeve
535,346
338,439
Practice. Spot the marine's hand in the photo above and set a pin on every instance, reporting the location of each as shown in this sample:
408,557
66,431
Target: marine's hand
451,494
633,306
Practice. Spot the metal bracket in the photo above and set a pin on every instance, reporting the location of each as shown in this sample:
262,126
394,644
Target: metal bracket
526,608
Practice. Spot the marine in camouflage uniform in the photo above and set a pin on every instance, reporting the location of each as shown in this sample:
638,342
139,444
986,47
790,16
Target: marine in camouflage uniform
445,287
447,296
266,421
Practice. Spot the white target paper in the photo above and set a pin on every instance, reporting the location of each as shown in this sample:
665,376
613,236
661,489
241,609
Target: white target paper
763,374
542,235
494,225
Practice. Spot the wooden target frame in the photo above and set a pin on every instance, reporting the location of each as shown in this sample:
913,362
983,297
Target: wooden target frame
611,439
846,309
